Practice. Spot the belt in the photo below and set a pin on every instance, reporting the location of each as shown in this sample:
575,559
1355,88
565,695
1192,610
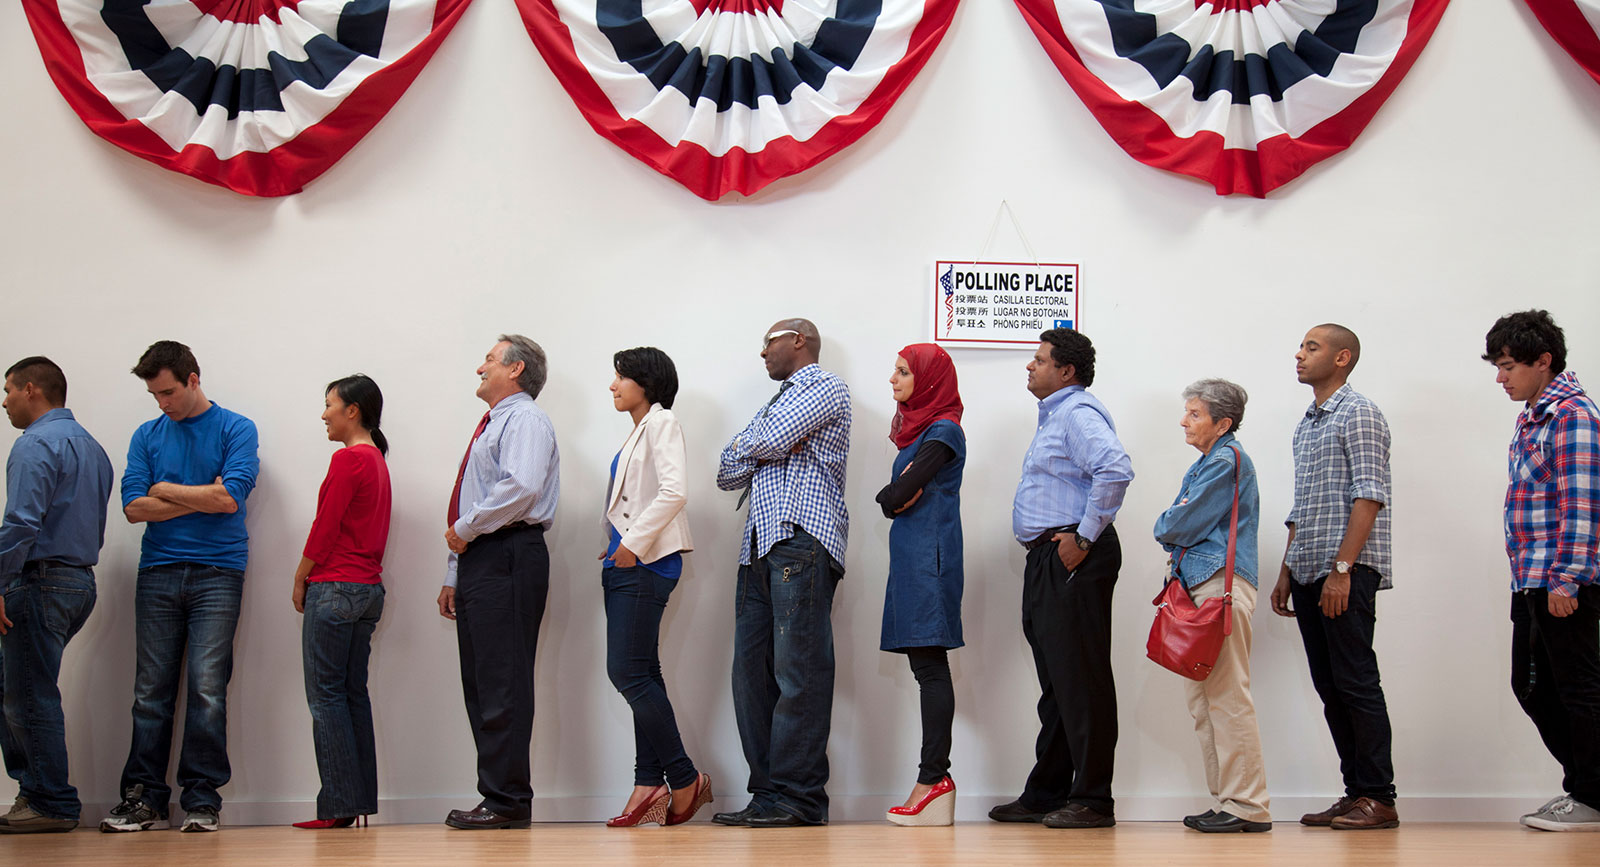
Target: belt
1049,535
49,564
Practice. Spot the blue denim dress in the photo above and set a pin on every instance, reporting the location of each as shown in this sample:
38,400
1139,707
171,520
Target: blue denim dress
922,602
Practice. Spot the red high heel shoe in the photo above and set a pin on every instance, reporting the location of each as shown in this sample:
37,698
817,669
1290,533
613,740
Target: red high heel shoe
938,807
701,797
346,822
652,809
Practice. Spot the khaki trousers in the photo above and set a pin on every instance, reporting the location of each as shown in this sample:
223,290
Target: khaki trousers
1225,715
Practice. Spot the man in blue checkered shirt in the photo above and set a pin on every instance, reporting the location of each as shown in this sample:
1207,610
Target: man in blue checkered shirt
1552,509
789,460
1337,561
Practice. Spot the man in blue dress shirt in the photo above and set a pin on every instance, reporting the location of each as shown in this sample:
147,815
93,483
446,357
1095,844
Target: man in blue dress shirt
790,460
498,574
188,474
1073,480
58,482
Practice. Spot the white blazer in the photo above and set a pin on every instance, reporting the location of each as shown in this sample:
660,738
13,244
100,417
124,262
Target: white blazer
647,497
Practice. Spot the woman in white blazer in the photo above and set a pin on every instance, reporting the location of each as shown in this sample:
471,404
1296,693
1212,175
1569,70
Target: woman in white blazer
648,531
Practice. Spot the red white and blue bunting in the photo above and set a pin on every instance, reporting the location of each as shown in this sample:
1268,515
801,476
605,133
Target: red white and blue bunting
1574,24
731,95
259,96
1244,94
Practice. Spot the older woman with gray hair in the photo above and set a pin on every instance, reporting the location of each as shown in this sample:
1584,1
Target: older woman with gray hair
1195,533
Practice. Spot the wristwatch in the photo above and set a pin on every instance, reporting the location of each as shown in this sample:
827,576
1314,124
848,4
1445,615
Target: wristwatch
1082,543
1341,567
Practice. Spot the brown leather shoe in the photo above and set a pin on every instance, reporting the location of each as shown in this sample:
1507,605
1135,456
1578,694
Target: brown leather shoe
1326,817
1366,815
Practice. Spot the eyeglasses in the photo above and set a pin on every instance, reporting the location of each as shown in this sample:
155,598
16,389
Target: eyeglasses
773,335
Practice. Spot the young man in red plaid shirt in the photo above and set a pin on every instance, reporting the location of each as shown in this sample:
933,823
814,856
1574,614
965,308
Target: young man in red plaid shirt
1552,508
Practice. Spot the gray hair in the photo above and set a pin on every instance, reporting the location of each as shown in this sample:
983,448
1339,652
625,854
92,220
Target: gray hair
535,369
1223,399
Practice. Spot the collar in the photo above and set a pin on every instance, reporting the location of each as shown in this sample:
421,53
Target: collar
505,404
1332,403
59,412
1221,443
1051,401
804,374
1564,386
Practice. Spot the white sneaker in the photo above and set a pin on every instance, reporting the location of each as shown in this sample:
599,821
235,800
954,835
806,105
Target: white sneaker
1564,814
202,819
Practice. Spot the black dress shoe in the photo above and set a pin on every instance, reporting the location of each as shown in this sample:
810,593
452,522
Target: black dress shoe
1078,816
1188,821
780,819
482,818
1225,822
741,817
1015,812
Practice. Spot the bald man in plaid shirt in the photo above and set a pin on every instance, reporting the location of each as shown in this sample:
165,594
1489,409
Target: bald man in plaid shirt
1552,505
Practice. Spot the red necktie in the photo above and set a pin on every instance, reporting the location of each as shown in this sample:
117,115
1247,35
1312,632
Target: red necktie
455,495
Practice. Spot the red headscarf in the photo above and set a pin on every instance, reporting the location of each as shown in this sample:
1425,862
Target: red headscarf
934,393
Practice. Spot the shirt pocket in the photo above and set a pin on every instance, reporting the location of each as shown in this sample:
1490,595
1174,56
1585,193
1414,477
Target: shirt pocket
1533,465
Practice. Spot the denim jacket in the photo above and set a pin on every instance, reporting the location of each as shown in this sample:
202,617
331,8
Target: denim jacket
1196,524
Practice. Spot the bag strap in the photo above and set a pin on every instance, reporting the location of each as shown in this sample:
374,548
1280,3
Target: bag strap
1233,542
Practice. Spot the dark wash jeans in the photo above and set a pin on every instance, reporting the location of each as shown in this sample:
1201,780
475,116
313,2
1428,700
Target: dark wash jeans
1555,673
1344,670
635,599
178,605
47,605
335,644
783,674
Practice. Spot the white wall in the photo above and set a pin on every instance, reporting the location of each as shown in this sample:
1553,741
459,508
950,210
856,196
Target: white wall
484,203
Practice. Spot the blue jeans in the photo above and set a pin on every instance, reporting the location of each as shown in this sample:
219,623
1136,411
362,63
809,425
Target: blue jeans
783,674
335,643
178,605
47,605
635,600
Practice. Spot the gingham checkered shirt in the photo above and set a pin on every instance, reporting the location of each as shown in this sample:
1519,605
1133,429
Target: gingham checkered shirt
1554,493
804,489
1341,454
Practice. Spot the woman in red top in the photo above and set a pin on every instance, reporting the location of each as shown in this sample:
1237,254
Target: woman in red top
338,588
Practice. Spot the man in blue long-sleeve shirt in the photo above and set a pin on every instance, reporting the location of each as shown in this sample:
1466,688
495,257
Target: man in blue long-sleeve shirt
1073,480
58,481
188,474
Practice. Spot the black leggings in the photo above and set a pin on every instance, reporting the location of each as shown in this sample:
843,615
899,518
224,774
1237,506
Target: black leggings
931,667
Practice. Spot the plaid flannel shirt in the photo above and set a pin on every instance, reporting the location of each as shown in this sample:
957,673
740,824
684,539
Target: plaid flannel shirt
1341,454
789,489
1553,495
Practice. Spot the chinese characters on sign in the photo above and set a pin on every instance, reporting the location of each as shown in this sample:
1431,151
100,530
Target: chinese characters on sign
1002,304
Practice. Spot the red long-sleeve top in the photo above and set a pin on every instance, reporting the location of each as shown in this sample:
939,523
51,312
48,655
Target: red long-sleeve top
352,524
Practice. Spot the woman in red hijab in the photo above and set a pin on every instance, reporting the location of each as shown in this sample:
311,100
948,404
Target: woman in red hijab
922,602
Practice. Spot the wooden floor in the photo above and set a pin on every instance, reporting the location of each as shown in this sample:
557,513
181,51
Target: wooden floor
1447,845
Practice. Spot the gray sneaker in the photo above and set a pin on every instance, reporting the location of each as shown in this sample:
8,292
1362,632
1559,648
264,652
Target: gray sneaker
133,814
1564,814
24,819
202,819
17,806
1547,805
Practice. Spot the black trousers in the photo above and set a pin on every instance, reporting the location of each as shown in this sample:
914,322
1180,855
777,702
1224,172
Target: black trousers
1066,617
1344,670
502,580
1555,673
931,667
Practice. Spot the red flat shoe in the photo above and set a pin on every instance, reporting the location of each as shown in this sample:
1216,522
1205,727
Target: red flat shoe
938,807
321,824
701,797
652,809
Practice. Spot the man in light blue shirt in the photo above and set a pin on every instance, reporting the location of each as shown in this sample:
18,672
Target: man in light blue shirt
498,574
58,482
1073,479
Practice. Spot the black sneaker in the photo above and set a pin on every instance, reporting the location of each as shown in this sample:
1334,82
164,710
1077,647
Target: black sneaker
133,814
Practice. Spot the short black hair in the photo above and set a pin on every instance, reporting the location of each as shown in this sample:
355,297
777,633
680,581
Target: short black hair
44,374
166,355
1342,338
1525,336
1071,347
652,369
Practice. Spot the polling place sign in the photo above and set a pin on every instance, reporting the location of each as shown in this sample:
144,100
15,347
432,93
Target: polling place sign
1002,304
